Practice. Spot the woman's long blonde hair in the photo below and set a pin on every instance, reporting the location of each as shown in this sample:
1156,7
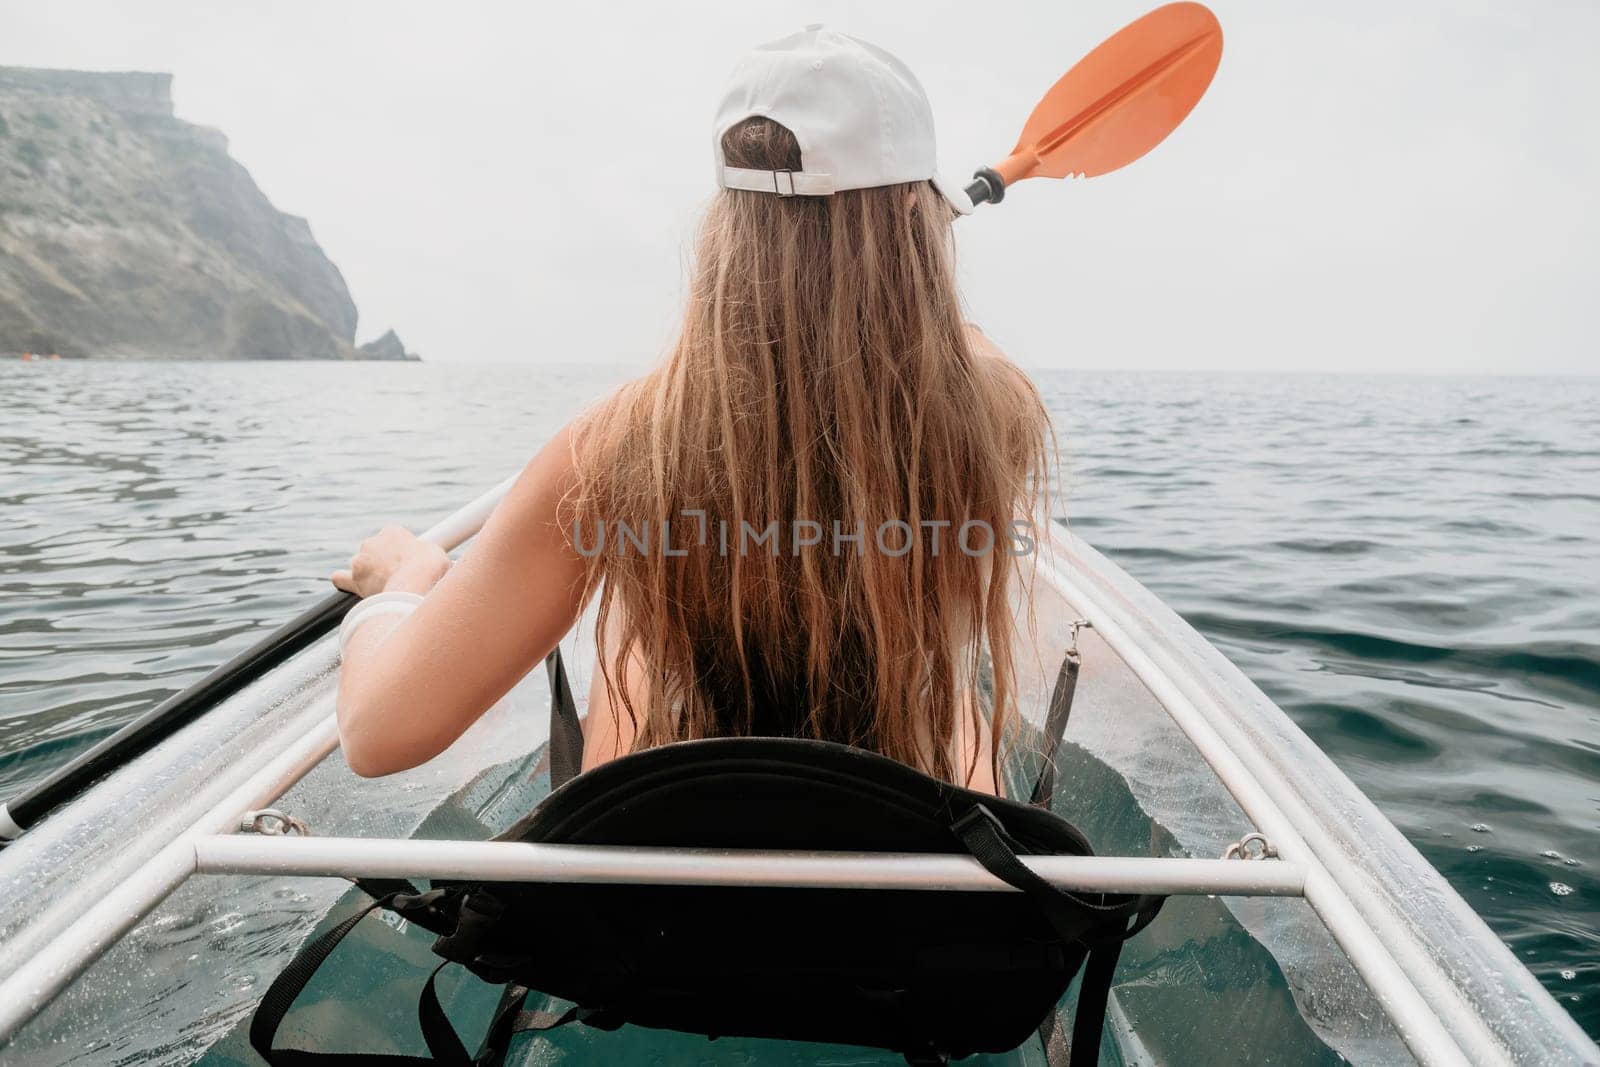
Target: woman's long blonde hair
824,374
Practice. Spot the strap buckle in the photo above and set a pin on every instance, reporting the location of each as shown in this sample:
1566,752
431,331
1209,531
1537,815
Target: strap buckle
976,815
776,188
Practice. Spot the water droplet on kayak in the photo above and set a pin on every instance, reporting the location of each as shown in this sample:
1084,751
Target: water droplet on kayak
1560,889
1481,828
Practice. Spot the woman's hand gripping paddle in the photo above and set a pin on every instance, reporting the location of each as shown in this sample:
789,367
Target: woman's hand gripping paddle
1120,101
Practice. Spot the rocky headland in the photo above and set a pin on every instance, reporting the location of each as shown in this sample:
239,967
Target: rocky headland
126,233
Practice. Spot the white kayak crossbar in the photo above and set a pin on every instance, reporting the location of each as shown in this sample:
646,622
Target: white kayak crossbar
512,861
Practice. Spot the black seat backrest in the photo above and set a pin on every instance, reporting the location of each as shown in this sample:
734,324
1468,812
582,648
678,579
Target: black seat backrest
775,793
916,971
930,973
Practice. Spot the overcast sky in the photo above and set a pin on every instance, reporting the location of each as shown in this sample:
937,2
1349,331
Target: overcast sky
1369,186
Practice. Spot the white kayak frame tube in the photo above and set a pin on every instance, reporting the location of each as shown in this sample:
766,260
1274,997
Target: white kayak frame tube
34,984
1440,1029
512,861
81,936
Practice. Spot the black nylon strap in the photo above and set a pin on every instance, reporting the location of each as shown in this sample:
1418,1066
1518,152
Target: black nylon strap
435,910
443,1041
477,919
566,732
1149,908
1094,992
288,986
378,888
1055,727
1071,915
444,1046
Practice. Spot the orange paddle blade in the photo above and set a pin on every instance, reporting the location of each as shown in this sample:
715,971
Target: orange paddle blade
1122,99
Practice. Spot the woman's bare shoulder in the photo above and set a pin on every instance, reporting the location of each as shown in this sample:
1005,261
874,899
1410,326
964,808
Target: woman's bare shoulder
556,470
598,422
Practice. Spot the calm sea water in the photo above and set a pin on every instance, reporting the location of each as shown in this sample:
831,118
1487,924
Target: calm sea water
1409,566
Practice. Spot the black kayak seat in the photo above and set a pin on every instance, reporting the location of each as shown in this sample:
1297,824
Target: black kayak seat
932,974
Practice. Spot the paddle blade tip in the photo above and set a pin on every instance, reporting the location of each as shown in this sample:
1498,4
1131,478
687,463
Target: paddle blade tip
1123,98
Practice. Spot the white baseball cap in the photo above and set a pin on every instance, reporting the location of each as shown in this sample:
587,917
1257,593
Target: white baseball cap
858,113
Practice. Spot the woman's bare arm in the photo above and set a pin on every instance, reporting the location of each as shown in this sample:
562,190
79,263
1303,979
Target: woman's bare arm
408,689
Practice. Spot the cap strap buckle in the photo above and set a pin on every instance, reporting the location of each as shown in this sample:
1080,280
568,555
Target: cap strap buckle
784,183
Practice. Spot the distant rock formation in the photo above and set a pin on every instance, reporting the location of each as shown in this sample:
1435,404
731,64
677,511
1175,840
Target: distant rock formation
386,347
126,233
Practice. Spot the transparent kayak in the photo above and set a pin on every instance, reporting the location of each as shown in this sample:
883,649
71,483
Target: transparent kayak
122,942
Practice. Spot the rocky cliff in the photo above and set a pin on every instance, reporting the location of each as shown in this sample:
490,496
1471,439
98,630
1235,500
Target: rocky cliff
127,233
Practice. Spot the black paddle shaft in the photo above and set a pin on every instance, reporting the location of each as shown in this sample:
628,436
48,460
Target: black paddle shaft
162,721
987,187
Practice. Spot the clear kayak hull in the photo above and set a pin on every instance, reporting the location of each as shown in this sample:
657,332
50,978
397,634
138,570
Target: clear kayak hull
1158,713
1371,880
